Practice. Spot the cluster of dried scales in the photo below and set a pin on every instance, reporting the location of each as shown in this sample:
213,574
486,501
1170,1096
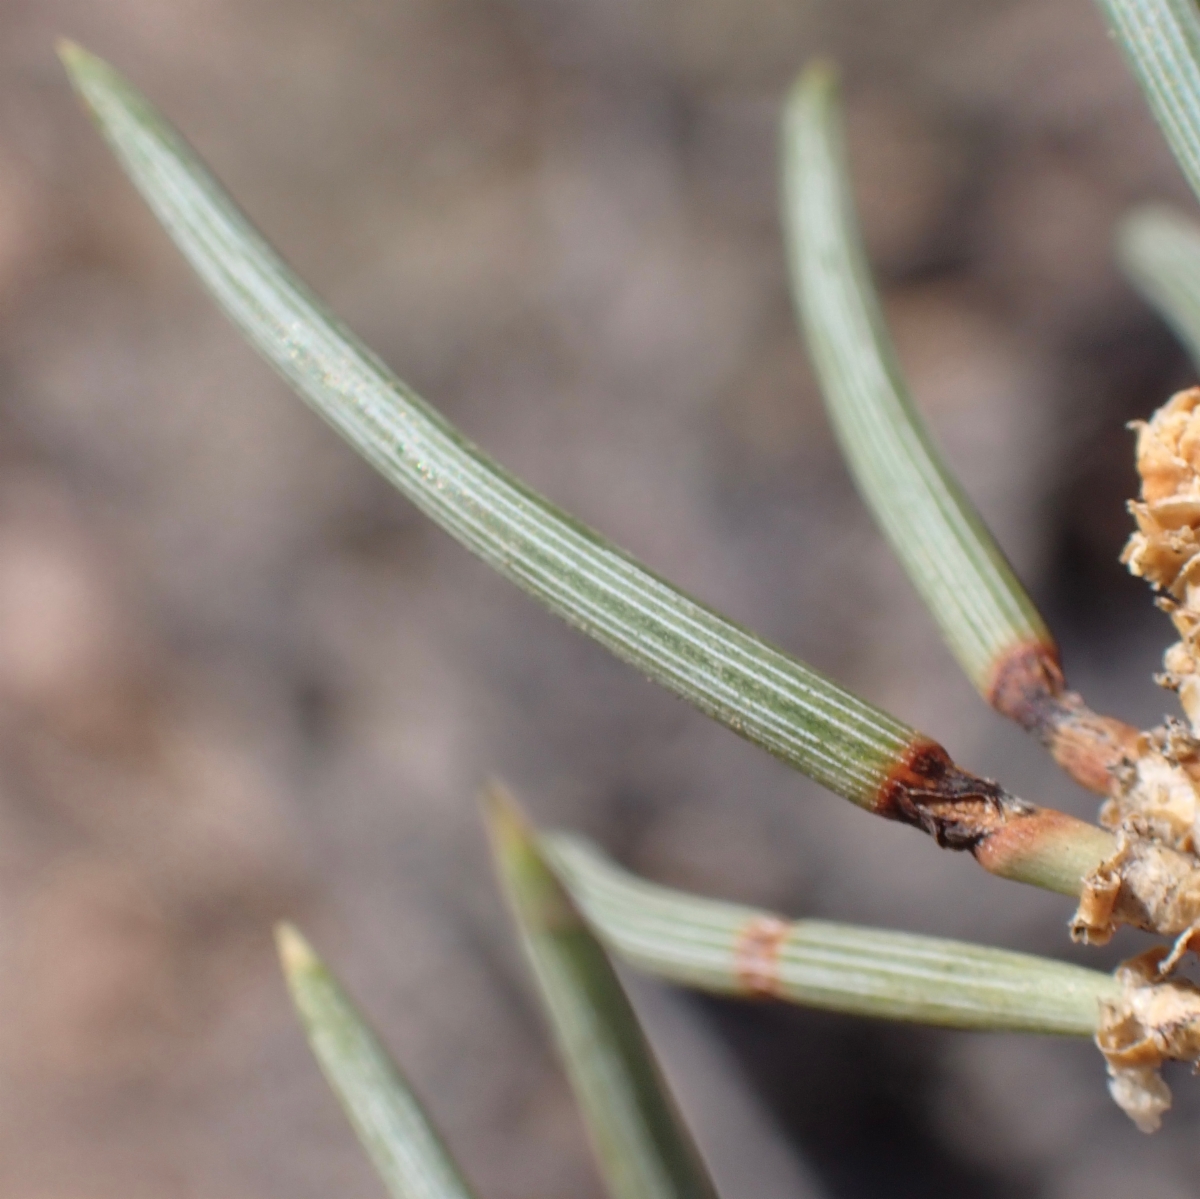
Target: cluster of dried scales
1157,1019
1158,789
1154,797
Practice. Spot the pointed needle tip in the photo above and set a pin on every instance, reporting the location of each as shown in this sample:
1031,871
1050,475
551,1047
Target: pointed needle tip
295,953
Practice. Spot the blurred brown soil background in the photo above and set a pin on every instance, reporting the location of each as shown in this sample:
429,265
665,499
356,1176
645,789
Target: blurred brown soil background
240,678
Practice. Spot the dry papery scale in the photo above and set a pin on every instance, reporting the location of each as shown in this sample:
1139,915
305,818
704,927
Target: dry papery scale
1139,866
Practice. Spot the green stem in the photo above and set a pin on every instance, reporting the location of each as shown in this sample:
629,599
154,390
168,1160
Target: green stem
1161,41
406,1151
1160,251
642,1147
949,554
751,687
985,615
791,710
731,949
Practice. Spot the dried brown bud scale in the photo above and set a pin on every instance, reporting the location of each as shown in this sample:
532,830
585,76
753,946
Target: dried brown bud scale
1156,1020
